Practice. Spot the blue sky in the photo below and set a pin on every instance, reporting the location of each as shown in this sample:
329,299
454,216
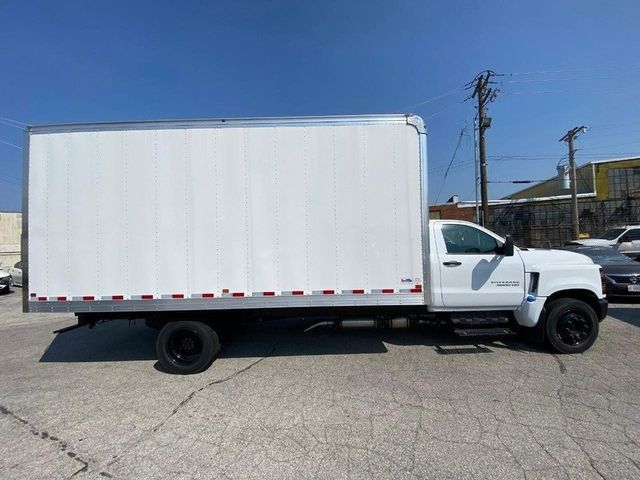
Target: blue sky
565,63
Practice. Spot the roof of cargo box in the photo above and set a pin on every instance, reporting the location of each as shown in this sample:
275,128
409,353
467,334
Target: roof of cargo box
408,119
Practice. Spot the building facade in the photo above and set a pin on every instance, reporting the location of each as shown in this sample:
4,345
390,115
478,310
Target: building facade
540,215
10,232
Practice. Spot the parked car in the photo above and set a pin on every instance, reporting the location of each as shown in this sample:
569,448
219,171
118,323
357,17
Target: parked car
624,239
16,273
5,281
621,274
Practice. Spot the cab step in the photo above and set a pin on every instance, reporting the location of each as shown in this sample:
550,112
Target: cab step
487,319
483,332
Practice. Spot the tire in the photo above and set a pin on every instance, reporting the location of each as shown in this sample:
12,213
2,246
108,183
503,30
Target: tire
187,347
572,325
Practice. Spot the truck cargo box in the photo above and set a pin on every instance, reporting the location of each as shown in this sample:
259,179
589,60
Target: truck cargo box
225,214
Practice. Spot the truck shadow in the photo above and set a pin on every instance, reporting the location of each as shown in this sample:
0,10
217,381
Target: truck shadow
123,341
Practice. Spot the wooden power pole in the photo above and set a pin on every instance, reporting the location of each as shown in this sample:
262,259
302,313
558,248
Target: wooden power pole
485,94
569,137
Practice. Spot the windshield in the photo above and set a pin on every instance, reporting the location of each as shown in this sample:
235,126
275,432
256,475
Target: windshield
611,234
607,256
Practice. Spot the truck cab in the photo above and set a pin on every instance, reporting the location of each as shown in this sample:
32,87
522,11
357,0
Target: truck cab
555,290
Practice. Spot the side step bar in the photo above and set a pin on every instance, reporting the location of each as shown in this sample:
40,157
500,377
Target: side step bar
483,332
486,319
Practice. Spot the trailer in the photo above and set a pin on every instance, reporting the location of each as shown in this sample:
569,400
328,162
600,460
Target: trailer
193,223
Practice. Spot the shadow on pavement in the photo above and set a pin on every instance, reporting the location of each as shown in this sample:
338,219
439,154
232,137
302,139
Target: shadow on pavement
120,341
627,315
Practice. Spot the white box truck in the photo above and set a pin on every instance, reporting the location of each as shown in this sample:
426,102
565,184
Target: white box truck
188,224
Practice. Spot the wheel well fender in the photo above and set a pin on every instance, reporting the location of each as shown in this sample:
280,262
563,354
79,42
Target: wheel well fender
587,296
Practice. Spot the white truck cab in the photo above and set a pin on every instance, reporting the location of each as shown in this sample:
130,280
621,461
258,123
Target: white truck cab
473,268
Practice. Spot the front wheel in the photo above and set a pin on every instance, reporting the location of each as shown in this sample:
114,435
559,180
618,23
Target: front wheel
572,325
187,347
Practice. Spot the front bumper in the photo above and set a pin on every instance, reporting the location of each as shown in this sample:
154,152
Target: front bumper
620,289
604,307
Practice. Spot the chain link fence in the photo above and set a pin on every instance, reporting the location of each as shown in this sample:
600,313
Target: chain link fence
548,224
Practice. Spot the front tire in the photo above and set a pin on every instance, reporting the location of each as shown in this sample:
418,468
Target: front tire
187,347
572,325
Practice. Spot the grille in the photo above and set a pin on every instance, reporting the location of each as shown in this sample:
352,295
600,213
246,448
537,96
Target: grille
624,278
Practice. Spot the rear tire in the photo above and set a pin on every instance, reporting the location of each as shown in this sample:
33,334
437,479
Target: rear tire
187,347
572,325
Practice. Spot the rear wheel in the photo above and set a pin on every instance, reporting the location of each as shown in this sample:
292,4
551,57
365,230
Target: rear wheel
572,325
187,347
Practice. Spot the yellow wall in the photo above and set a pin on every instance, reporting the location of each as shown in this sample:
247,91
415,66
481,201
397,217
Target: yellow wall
602,175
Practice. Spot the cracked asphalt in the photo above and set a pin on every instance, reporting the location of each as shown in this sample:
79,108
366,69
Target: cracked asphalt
329,404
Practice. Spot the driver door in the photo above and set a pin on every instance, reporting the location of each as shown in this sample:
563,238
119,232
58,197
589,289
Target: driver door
474,272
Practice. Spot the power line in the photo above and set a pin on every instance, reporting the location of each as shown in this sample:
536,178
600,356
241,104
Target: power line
455,151
438,97
7,119
553,92
516,181
13,125
444,109
453,166
11,144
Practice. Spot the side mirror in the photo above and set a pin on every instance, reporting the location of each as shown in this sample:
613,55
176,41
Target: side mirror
624,238
507,247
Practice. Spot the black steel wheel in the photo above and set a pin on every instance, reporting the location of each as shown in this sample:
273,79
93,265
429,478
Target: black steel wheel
572,325
186,347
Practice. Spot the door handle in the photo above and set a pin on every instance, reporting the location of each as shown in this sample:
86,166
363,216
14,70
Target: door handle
453,263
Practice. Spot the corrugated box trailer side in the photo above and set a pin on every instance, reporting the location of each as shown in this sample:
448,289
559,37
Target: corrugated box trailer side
226,214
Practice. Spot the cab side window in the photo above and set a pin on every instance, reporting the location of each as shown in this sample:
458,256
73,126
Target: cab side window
466,239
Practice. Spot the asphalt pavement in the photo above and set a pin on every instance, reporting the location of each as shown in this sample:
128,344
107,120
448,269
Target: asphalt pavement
281,404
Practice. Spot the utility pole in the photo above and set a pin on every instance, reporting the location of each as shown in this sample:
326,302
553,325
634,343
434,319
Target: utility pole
475,163
569,137
485,94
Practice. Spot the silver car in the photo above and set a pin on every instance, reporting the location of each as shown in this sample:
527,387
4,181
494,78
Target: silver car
16,273
625,239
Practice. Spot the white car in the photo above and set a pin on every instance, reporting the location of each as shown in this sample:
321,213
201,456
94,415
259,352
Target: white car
624,239
16,273
5,281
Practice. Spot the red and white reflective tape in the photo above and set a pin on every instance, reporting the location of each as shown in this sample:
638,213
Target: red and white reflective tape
202,295
145,296
225,293
416,289
112,297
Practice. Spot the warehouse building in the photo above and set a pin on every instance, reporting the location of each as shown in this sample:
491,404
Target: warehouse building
540,215
10,231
